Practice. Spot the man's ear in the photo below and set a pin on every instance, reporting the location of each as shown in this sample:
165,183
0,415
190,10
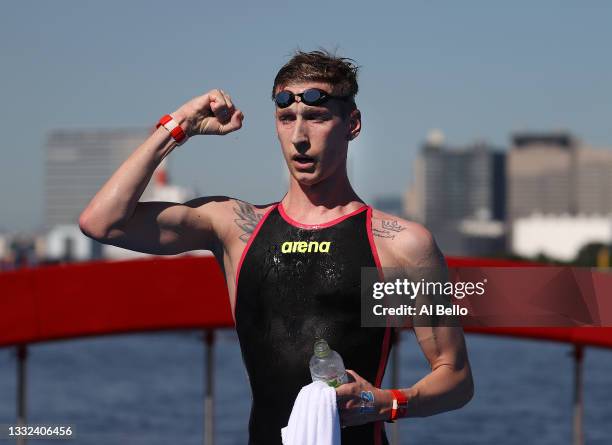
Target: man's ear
354,124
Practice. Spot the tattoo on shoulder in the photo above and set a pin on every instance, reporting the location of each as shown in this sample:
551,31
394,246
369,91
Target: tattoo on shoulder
388,229
246,219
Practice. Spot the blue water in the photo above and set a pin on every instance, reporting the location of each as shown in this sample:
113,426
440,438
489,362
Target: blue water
148,389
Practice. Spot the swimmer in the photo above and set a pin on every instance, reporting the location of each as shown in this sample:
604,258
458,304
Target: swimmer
293,267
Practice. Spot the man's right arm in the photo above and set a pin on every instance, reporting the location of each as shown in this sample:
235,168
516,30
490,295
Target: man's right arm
114,216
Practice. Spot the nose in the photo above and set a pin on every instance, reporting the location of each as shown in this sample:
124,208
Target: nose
299,137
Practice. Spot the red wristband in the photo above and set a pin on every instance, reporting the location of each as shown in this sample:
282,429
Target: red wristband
173,127
400,404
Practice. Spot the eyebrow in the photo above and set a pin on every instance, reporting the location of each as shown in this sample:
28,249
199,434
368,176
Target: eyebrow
317,112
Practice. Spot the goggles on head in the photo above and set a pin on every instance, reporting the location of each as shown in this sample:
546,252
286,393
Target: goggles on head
311,96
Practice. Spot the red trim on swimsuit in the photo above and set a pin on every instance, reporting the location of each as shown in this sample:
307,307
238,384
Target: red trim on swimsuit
295,223
386,346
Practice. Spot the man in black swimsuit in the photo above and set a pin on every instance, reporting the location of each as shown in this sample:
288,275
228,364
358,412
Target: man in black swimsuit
293,267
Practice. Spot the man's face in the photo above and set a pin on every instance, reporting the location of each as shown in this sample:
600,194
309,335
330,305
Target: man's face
314,139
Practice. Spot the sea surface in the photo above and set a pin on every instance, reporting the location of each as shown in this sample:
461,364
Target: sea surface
148,389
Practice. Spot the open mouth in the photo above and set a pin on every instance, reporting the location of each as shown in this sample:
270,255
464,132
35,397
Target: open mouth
303,159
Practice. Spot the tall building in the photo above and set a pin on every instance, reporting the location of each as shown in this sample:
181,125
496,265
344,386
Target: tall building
555,174
541,174
560,195
459,194
594,181
78,163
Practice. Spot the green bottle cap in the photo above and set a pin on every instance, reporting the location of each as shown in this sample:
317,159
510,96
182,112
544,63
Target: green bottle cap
321,349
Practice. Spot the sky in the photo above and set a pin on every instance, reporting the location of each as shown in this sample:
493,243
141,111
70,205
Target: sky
477,70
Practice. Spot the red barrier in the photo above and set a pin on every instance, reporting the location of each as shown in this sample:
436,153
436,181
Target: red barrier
100,298
587,336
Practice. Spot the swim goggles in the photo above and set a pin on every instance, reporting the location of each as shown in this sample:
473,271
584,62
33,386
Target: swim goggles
311,96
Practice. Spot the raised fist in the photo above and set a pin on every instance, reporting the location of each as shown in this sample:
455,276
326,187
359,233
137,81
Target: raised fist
211,113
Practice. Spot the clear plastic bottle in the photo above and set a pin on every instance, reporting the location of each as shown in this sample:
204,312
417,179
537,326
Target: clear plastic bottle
327,365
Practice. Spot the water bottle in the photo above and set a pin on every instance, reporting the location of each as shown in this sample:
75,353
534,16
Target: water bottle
327,365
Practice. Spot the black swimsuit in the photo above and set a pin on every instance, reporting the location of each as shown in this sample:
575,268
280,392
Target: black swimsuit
296,283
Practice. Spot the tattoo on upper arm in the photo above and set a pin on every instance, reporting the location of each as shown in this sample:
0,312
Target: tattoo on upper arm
247,219
387,229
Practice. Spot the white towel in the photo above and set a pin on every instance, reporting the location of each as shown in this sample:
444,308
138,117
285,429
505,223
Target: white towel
314,418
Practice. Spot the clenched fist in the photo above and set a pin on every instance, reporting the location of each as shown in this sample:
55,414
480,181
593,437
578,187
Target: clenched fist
211,113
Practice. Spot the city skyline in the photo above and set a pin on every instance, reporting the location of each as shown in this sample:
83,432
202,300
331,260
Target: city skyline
77,164
477,72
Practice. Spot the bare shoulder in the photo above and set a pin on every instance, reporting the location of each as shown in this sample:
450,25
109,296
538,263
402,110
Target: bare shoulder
400,230
227,217
405,243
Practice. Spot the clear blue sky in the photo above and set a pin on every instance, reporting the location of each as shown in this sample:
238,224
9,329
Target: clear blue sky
475,69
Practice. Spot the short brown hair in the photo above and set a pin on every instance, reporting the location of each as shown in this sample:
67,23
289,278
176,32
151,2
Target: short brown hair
321,66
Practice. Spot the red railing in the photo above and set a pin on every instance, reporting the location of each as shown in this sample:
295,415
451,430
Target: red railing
98,298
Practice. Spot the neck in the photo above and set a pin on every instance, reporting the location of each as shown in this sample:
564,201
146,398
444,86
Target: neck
334,196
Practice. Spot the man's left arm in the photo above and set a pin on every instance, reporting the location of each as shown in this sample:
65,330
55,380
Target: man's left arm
448,386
